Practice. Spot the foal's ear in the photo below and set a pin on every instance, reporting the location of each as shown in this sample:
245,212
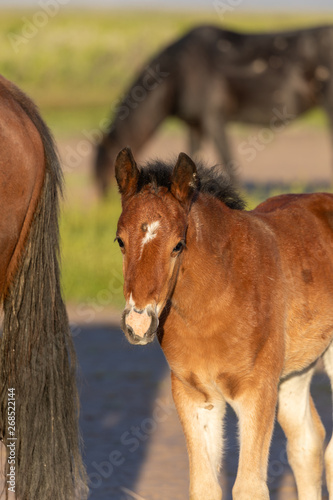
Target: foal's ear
184,179
127,173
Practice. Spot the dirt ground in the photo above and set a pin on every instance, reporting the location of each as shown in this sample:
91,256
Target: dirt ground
134,445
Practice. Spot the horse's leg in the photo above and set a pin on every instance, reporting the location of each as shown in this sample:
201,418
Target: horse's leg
202,425
328,108
195,139
256,414
330,117
305,434
328,361
214,127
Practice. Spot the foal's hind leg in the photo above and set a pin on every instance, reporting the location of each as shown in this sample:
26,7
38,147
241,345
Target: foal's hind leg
328,361
202,425
305,434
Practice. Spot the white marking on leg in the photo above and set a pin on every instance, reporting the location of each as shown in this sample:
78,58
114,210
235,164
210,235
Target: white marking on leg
304,432
211,424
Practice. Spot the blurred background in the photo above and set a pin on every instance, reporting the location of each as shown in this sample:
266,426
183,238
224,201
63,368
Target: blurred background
76,58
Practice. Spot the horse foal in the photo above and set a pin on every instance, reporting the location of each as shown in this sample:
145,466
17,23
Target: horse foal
242,305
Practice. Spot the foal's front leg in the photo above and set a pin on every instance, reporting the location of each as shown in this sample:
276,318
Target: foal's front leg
256,413
202,425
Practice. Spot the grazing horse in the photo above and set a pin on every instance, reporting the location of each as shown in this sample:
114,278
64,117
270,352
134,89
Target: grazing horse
242,305
213,76
38,394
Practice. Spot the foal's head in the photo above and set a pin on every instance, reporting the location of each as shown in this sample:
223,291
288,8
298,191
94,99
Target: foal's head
151,234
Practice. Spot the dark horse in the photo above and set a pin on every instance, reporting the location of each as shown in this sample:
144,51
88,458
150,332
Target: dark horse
213,76
38,394
242,304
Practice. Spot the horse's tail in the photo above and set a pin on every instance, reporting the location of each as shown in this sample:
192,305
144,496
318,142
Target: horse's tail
150,99
37,358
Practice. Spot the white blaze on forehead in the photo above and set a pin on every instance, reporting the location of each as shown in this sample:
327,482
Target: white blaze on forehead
151,232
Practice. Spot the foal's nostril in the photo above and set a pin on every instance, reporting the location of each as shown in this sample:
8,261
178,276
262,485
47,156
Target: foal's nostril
130,330
139,311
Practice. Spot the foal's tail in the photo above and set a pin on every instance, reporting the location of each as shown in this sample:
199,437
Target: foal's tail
37,358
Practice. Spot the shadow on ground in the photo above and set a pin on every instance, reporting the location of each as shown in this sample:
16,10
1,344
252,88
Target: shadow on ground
119,389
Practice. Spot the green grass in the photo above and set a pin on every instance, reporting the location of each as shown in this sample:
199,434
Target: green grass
91,260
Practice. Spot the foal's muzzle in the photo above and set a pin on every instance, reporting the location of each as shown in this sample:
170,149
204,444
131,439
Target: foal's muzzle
140,326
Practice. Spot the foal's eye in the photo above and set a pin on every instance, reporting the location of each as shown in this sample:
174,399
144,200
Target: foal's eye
120,242
178,247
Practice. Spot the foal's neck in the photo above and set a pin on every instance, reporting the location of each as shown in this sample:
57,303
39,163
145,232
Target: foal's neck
204,275
211,223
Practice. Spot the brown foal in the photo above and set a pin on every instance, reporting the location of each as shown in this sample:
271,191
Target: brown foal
242,305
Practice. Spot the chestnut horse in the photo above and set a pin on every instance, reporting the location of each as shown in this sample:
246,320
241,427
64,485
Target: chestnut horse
242,305
39,429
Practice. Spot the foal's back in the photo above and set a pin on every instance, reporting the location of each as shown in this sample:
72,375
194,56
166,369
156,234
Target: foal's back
303,228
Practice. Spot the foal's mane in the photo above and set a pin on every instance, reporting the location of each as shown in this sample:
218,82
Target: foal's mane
212,180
